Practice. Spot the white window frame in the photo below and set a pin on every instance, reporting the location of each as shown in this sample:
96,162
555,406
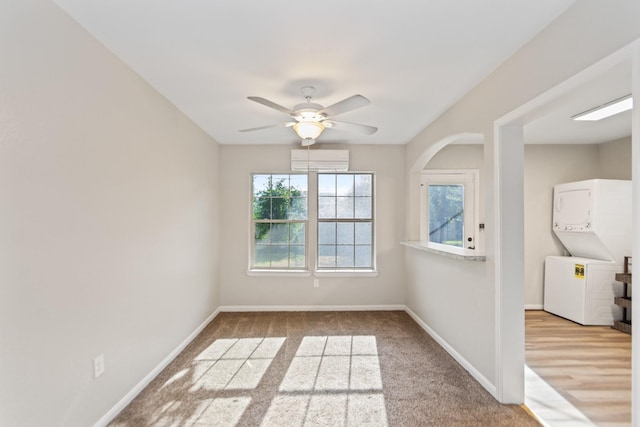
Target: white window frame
253,221
372,221
311,236
469,179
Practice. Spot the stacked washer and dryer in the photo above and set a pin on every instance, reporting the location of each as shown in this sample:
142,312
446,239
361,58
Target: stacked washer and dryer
592,219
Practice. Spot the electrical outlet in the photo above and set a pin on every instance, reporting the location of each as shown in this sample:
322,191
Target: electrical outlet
98,366
316,283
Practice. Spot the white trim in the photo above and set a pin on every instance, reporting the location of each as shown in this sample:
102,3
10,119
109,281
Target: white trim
484,382
257,308
635,248
118,407
533,307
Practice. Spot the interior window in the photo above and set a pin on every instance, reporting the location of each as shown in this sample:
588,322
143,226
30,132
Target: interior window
448,208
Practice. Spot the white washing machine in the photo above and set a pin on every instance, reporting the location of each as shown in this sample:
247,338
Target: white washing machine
582,289
592,219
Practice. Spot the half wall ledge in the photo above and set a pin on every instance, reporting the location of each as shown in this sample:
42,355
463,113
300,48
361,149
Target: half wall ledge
445,250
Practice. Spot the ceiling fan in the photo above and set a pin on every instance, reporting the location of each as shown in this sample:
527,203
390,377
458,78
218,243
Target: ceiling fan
311,119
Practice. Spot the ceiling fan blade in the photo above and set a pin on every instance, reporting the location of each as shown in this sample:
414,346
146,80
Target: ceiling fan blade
351,127
348,104
287,125
270,104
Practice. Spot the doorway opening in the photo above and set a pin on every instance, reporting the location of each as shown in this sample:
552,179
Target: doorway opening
536,128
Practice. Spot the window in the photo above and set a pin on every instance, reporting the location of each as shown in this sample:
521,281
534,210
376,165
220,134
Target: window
336,233
345,221
448,208
279,221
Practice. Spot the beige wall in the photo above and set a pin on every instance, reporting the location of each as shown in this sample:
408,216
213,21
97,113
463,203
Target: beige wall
108,222
615,159
239,289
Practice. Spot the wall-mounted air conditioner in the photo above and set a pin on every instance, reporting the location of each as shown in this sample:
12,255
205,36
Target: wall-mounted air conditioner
320,160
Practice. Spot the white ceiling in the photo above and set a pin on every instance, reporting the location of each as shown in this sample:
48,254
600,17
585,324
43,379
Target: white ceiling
552,124
413,59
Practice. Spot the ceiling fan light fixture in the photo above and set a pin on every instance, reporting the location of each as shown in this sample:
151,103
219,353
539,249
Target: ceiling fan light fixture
308,129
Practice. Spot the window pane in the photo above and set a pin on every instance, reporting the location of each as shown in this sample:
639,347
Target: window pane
261,184
363,256
280,256
363,233
326,207
279,208
363,207
262,256
344,207
345,233
298,208
326,185
446,209
326,256
262,208
296,256
345,256
261,233
298,184
326,233
363,185
280,233
297,233
344,185
280,182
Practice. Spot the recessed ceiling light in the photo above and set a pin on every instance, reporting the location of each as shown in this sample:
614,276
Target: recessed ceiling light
607,110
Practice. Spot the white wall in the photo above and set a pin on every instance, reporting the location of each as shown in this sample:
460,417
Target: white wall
239,289
108,222
578,38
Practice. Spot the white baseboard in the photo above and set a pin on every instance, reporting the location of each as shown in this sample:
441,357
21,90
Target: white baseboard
533,307
484,382
111,414
249,308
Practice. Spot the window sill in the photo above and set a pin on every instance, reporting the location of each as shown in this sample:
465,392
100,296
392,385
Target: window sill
307,273
445,250
346,273
279,273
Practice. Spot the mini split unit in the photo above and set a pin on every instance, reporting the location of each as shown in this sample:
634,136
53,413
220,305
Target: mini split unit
320,160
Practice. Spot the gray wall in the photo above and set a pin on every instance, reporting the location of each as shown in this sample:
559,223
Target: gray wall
109,222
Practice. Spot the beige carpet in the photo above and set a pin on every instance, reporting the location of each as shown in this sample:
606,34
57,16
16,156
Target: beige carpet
316,369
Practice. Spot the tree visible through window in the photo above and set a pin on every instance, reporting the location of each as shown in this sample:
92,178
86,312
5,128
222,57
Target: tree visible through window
446,214
448,207
279,221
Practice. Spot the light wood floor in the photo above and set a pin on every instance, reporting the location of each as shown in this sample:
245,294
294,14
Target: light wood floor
590,366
